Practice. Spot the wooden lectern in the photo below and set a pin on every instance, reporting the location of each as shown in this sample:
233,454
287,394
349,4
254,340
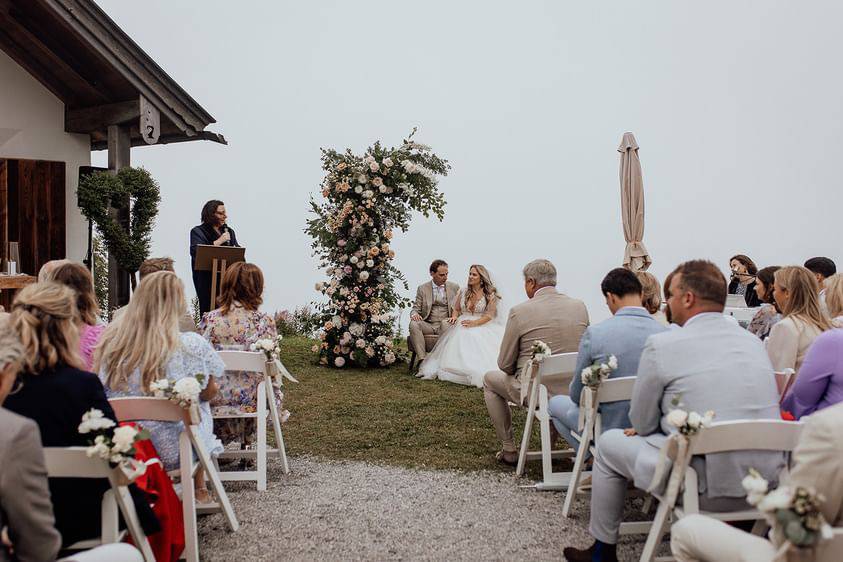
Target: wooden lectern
216,259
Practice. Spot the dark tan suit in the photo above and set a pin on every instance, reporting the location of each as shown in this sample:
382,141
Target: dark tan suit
434,315
554,318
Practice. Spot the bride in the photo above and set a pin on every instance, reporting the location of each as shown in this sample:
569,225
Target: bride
470,349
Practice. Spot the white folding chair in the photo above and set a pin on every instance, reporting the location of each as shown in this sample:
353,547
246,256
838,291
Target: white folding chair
720,437
553,367
611,390
255,362
73,462
140,409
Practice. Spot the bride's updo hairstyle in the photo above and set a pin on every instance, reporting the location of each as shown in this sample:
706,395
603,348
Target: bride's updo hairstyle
486,282
44,316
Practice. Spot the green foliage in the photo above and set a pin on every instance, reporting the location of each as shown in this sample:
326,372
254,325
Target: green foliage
100,271
303,321
366,198
130,187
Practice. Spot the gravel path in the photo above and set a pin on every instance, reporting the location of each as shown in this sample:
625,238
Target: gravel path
332,510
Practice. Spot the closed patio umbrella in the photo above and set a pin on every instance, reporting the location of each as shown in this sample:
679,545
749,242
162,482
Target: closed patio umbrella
635,256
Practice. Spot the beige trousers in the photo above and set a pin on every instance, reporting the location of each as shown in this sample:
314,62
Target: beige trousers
697,538
436,323
498,390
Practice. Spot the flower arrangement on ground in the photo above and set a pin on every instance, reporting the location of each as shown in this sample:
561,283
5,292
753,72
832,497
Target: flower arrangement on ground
366,199
594,375
792,512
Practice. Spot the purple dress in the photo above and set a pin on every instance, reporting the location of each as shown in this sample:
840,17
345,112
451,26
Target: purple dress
819,383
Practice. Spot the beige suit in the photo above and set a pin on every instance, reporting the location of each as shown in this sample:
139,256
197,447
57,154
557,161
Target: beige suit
817,463
434,316
24,496
554,318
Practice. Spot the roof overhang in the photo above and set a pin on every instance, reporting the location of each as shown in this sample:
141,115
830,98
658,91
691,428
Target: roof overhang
76,51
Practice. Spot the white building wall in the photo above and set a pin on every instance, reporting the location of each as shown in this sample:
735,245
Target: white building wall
32,127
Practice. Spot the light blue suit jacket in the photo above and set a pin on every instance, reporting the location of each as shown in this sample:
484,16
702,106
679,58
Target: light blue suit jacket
623,335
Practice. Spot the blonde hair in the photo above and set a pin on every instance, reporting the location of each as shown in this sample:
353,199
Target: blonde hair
651,293
46,271
802,300
834,295
44,317
146,335
486,282
11,349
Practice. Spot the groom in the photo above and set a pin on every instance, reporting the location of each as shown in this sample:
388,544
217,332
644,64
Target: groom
434,305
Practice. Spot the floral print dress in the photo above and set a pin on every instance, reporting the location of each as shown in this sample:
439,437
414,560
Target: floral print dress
238,390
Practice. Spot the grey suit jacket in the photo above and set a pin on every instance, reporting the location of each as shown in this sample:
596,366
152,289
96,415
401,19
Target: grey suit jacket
554,318
623,335
710,364
424,298
24,496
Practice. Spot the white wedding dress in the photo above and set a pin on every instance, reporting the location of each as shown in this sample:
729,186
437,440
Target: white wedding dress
463,355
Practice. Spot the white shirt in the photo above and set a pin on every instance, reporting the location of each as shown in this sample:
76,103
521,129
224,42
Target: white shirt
439,295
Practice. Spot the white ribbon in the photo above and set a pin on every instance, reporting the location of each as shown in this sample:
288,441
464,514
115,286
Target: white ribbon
129,469
528,373
681,444
280,371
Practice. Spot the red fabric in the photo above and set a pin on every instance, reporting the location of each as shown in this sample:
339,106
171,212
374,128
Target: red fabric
787,416
168,544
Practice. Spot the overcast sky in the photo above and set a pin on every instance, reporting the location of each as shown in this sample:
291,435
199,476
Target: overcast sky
736,107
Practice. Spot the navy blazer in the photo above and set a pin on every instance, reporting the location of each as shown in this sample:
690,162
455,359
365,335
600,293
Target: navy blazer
623,335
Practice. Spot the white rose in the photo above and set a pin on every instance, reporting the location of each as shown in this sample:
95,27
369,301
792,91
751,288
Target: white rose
387,162
339,361
368,194
389,358
361,179
380,340
677,418
694,419
374,166
354,259
754,485
377,182
364,275
187,387
603,367
361,343
384,189
94,420
585,375
361,264
613,362
780,498
123,439
370,263
358,190
707,418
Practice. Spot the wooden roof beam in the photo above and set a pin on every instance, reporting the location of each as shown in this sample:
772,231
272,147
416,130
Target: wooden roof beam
99,118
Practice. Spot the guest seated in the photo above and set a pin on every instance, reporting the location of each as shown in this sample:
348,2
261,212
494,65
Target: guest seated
651,296
77,277
795,291
768,314
549,316
623,335
834,299
186,322
743,279
46,271
709,364
817,464
25,507
144,345
822,268
55,392
820,381
238,323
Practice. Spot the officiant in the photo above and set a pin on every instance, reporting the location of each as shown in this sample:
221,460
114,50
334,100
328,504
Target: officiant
213,231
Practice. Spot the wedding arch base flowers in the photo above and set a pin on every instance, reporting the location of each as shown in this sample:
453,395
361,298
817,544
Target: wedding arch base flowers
366,198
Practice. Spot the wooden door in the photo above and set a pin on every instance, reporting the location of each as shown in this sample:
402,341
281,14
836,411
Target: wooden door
32,210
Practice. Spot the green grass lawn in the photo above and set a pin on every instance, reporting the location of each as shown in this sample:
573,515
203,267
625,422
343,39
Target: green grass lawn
387,416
